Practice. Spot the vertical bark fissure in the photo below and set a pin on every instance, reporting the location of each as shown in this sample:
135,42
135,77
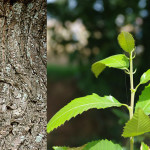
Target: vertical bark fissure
23,78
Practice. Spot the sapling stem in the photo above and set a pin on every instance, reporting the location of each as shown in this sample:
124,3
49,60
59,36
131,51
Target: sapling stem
132,96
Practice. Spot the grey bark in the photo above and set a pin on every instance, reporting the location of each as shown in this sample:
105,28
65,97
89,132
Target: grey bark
23,79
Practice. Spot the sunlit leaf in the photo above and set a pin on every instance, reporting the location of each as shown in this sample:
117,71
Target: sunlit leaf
78,106
144,100
126,41
119,61
95,145
144,147
102,145
145,77
139,124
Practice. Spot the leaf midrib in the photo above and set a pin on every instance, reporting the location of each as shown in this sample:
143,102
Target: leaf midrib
107,64
126,41
146,105
82,106
118,62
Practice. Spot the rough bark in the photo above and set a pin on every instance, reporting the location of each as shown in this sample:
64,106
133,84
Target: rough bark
23,76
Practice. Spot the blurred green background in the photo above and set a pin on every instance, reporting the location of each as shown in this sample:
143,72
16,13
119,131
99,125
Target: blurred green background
80,32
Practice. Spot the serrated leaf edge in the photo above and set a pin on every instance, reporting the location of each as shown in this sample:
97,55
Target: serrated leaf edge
48,131
128,123
140,100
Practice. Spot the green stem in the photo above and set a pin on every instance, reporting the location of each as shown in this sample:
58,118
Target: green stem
132,97
132,143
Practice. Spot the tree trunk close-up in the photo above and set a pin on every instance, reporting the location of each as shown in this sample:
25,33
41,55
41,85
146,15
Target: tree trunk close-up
23,78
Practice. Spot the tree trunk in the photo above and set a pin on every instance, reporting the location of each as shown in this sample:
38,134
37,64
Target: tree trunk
23,79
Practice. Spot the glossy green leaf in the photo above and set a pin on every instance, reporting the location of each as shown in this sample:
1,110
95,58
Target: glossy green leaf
119,61
144,100
144,147
95,145
126,41
145,77
78,106
102,145
139,124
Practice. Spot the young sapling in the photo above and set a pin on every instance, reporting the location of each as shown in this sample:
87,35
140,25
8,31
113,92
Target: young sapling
139,122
